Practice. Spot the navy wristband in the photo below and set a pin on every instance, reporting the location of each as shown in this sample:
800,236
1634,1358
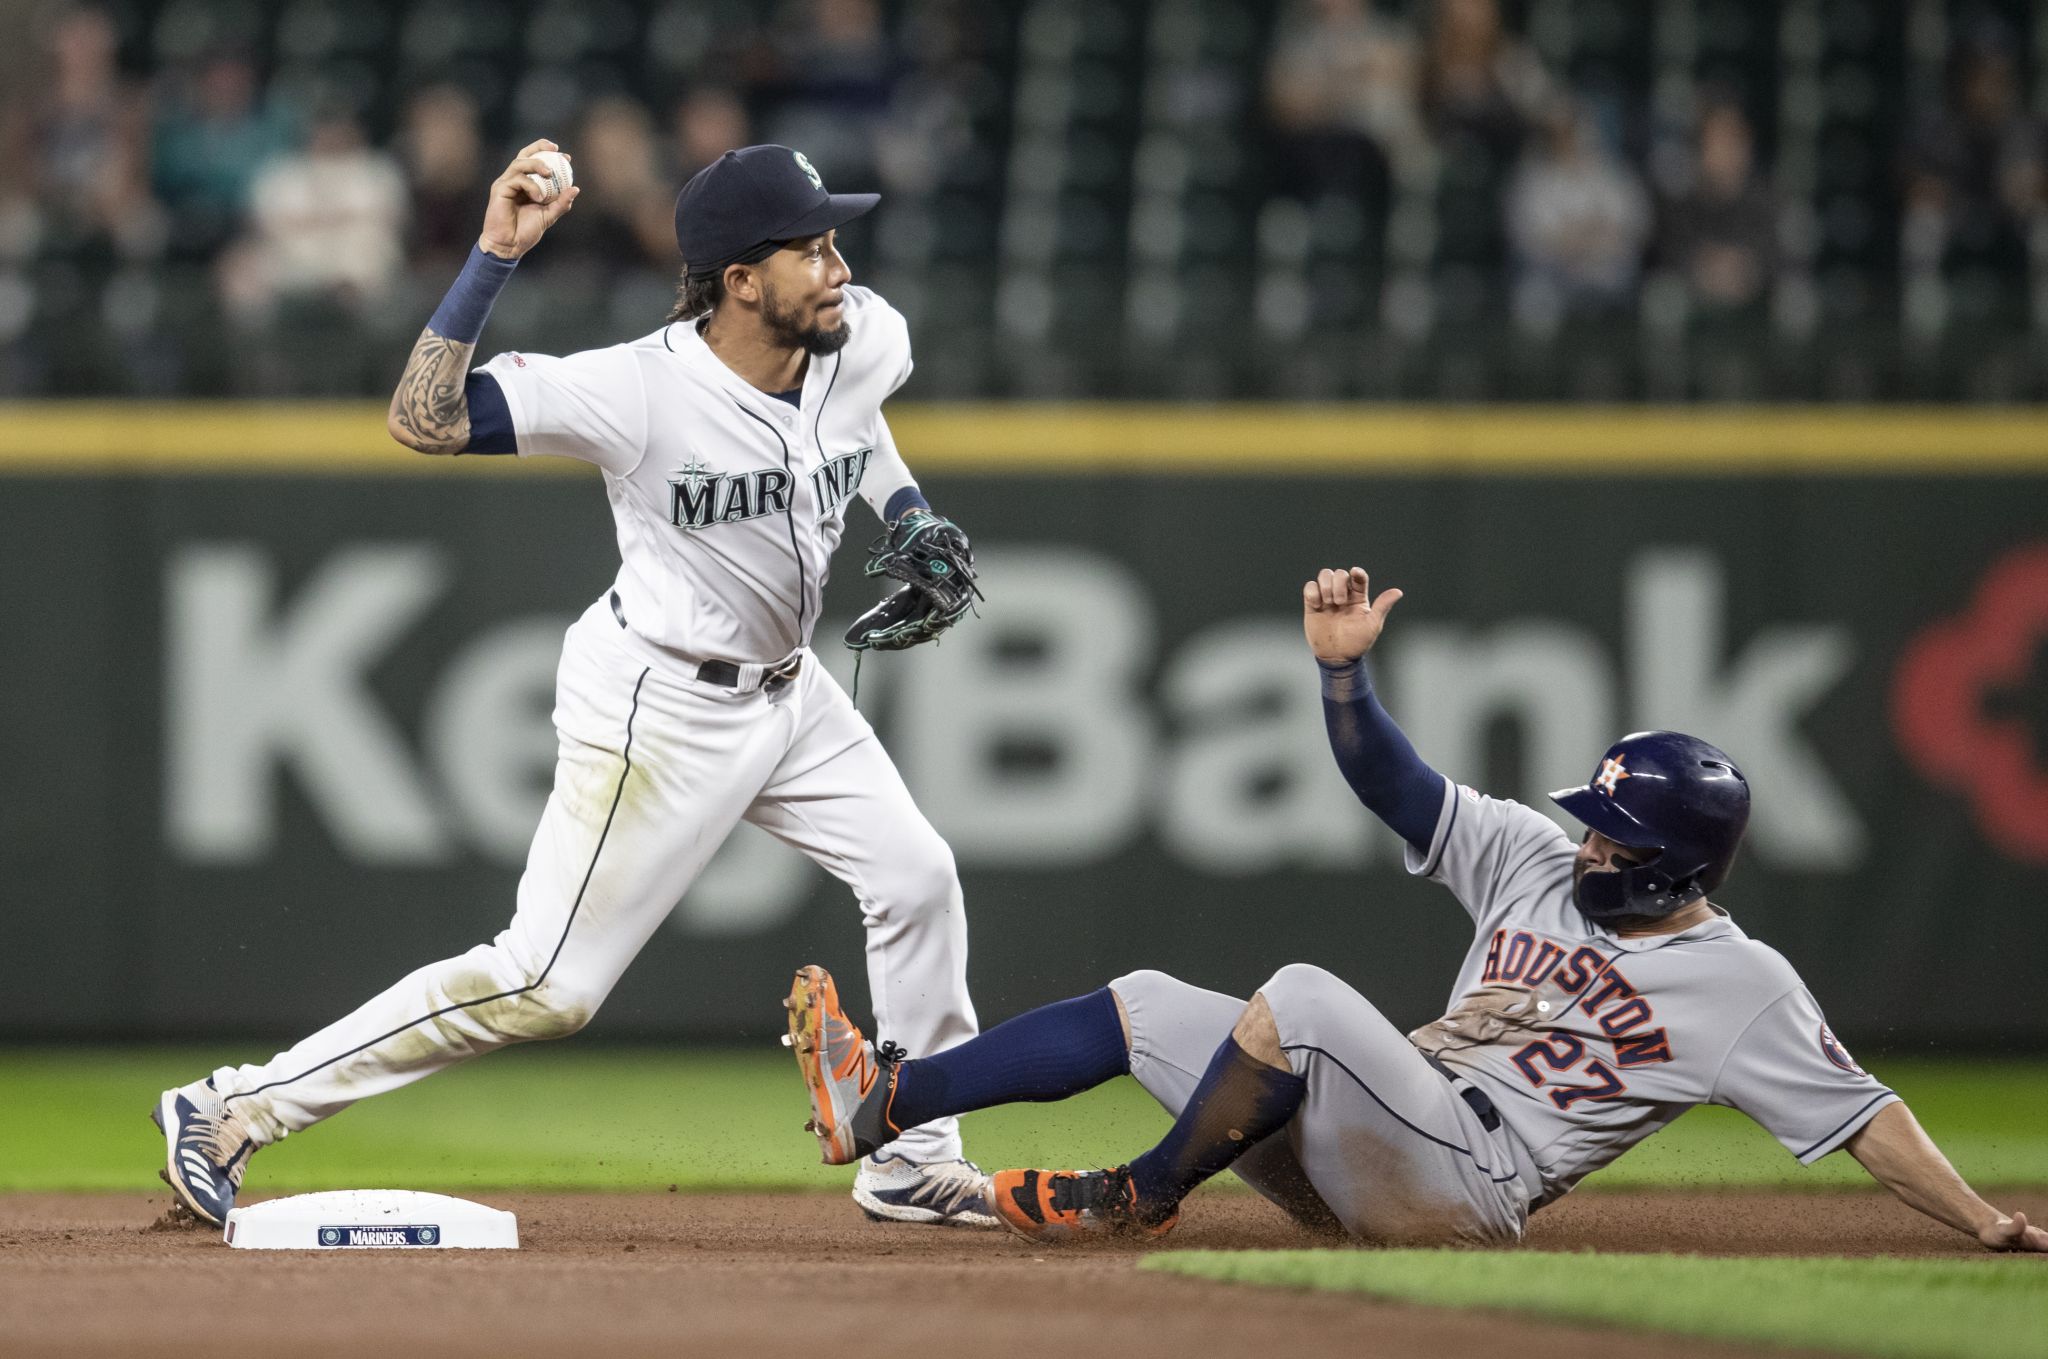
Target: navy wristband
462,313
903,502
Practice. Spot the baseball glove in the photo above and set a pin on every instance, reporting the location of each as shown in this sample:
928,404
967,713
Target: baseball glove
933,559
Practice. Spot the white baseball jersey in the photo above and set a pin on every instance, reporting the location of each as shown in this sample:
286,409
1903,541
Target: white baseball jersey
728,501
1588,1042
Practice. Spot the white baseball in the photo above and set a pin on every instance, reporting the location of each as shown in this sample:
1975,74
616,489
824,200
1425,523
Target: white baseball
558,179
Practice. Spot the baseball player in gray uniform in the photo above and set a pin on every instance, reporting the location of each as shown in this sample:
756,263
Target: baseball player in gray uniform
1603,995
732,440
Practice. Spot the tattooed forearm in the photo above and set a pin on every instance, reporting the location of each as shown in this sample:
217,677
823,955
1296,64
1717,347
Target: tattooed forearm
429,411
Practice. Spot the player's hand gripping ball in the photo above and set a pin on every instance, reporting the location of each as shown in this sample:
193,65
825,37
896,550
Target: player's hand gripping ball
532,194
934,560
558,178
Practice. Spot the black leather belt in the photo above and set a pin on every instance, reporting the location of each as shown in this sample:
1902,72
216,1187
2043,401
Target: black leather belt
1489,1117
724,674
727,675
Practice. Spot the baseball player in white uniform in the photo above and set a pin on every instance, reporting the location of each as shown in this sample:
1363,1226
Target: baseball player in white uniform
732,440
1603,995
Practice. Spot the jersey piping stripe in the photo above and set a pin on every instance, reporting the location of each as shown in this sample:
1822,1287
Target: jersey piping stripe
838,361
1445,843
1887,1094
567,925
803,589
1466,1152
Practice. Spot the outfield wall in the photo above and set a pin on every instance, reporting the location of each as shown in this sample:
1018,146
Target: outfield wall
278,695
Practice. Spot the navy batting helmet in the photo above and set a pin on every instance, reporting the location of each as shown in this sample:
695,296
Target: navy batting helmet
1678,805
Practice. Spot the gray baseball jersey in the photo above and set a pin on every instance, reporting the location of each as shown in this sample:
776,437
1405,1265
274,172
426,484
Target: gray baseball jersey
1587,1042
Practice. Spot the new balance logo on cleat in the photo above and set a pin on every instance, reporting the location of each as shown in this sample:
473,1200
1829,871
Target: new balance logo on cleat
837,1062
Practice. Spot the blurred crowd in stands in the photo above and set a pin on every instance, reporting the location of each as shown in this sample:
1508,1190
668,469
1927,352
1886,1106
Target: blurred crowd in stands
222,198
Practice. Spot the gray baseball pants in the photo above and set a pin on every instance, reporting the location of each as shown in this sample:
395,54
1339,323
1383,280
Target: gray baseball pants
1383,1145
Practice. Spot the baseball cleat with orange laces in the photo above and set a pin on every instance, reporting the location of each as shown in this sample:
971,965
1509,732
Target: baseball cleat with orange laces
1059,1205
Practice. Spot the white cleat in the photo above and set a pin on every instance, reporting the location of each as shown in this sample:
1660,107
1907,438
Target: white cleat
954,1193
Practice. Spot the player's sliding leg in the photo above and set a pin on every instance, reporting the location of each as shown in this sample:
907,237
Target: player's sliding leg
1147,1024
839,799
608,862
1388,1144
1245,1095
863,1100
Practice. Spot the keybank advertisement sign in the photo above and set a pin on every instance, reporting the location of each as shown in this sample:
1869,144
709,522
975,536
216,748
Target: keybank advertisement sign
1210,747
321,759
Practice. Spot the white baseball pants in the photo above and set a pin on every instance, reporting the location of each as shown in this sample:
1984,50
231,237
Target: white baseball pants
655,769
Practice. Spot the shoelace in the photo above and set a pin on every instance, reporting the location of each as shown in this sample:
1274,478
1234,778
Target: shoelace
892,1051
225,1139
953,1183
1105,1193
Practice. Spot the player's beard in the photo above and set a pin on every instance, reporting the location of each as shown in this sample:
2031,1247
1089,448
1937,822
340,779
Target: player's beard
788,327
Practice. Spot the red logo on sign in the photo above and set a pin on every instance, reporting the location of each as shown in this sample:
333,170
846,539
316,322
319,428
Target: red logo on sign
1956,704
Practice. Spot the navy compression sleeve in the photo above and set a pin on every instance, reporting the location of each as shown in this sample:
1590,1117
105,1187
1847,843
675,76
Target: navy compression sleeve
1376,758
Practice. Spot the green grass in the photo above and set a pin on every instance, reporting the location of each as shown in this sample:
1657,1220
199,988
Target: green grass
554,1117
590,1117
1908,1309
1991,1117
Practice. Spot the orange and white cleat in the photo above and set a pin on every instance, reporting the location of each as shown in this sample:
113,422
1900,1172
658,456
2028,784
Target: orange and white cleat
1061,1205
839,1065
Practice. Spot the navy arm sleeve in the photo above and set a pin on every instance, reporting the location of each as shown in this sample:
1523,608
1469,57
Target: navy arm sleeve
1376,759
490,419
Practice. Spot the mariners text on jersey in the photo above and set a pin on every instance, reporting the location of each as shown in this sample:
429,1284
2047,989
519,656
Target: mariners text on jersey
699,497
728,501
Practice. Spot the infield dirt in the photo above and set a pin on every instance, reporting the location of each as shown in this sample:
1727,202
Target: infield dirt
616,1275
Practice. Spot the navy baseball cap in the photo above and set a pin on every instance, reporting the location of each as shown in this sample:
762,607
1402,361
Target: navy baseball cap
739,207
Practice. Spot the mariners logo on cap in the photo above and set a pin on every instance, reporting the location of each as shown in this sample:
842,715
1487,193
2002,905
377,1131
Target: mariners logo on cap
803,163
1610,774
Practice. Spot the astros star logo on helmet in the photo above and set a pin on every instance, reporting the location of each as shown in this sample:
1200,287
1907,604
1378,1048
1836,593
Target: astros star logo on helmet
1611,773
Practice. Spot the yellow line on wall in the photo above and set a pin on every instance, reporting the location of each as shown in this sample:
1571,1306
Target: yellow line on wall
348,438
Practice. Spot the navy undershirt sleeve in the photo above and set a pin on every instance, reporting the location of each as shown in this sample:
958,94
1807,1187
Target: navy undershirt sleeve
1376,758
490,419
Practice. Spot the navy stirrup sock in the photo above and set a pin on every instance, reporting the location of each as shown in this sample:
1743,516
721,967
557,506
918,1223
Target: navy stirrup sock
1049,1053
1239,1101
